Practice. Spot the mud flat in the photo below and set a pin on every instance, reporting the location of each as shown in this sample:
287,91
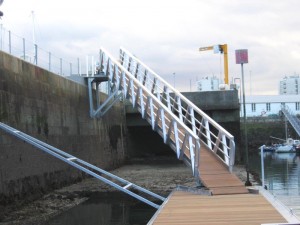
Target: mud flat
160,175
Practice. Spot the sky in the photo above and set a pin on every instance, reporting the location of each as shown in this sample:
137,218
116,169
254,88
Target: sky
166,35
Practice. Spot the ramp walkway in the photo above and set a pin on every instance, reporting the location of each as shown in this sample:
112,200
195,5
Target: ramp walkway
180,123
196,138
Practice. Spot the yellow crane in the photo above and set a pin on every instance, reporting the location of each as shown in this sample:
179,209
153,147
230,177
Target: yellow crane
220,49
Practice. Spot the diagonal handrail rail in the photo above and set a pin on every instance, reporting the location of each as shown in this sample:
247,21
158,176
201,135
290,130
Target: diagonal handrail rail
212,135
173,131
294,121
100,174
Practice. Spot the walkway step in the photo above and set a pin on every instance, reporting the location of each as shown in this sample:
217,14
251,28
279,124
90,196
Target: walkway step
215,175
229,190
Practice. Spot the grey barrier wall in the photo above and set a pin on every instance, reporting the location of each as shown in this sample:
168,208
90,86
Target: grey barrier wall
54,110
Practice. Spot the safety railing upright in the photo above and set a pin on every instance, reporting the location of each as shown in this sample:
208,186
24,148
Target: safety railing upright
173,130
215,137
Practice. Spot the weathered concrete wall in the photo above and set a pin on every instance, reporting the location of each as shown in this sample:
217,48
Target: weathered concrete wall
55,110
222,106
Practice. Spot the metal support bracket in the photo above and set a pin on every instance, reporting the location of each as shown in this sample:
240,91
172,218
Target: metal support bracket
98,108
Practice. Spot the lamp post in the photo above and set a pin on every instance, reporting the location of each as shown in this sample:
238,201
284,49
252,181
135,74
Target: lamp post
241,57
174,79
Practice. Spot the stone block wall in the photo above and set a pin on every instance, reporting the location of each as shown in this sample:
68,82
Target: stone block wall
56,111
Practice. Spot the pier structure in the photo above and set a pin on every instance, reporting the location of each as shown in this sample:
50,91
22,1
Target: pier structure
196,139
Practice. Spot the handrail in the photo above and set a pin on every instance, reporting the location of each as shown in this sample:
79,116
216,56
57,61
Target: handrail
109,178
181,139
294,121
214,136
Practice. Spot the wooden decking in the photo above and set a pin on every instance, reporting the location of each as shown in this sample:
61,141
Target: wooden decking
242,209
230,203
216,177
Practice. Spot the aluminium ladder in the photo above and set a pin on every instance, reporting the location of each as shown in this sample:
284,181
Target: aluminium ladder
108,178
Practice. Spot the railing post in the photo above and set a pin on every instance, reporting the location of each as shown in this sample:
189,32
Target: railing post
35,53
87,66
24,51
225,149
50,61
9,41
78,67
92,69
231,154
1,27
262,166
70,69
60,66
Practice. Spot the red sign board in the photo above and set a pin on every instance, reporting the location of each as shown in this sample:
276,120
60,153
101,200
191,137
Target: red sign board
241,56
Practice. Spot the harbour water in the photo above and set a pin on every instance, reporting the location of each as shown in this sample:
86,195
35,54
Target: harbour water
282,176
112,208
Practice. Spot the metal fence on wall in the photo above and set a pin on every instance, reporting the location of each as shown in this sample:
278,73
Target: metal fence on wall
32,53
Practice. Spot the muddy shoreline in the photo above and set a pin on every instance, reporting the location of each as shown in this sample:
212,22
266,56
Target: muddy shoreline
159,175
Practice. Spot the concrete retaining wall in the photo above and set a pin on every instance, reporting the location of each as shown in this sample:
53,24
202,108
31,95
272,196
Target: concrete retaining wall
55,110
222,106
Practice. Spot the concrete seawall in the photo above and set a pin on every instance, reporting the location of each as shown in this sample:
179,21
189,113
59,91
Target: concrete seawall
55,110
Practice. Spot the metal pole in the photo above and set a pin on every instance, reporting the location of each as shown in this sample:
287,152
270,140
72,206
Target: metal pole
70,69
50,61
262,166
24,51
92,69
36,54
87,66
78,67
61,66
1,27
174,80
247,183
9,41
285,125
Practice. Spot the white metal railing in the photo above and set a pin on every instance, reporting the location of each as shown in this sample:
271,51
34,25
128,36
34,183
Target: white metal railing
294,121
215,137
173,131
32,53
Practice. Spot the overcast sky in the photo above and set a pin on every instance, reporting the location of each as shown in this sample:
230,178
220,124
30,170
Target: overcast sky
167,34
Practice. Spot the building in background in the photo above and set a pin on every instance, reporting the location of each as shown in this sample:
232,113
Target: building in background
289,85
268,105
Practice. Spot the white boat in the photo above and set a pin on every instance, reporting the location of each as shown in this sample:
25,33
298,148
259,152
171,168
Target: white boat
285,149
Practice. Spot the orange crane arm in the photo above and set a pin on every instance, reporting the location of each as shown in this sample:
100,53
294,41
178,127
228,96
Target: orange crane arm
221,49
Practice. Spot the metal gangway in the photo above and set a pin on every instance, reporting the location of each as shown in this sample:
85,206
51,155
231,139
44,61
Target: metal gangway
120,184
181,124
294,121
